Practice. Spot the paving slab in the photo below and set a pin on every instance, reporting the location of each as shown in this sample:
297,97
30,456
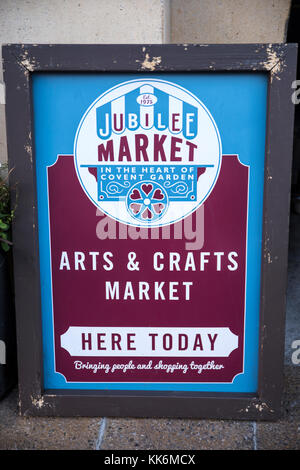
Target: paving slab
285,433
29,433
176,434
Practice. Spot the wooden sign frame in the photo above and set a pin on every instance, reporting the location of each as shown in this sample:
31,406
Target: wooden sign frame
279,63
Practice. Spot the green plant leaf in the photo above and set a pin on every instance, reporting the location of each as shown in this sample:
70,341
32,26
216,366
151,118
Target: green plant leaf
3,225
4,246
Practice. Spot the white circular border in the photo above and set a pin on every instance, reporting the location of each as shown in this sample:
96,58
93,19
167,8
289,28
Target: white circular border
172,85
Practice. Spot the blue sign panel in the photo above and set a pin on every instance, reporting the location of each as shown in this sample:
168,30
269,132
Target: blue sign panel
150,195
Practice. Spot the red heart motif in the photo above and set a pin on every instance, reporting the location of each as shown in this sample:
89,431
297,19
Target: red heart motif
147,214
158,194
135,207
147,188
158,208
135,194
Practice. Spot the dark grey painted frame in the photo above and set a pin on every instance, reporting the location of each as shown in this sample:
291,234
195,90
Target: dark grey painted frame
279,62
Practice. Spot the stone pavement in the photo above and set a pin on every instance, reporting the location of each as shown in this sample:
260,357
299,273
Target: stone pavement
20,433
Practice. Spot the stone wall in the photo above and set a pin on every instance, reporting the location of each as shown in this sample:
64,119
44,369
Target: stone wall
229,21
80,22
